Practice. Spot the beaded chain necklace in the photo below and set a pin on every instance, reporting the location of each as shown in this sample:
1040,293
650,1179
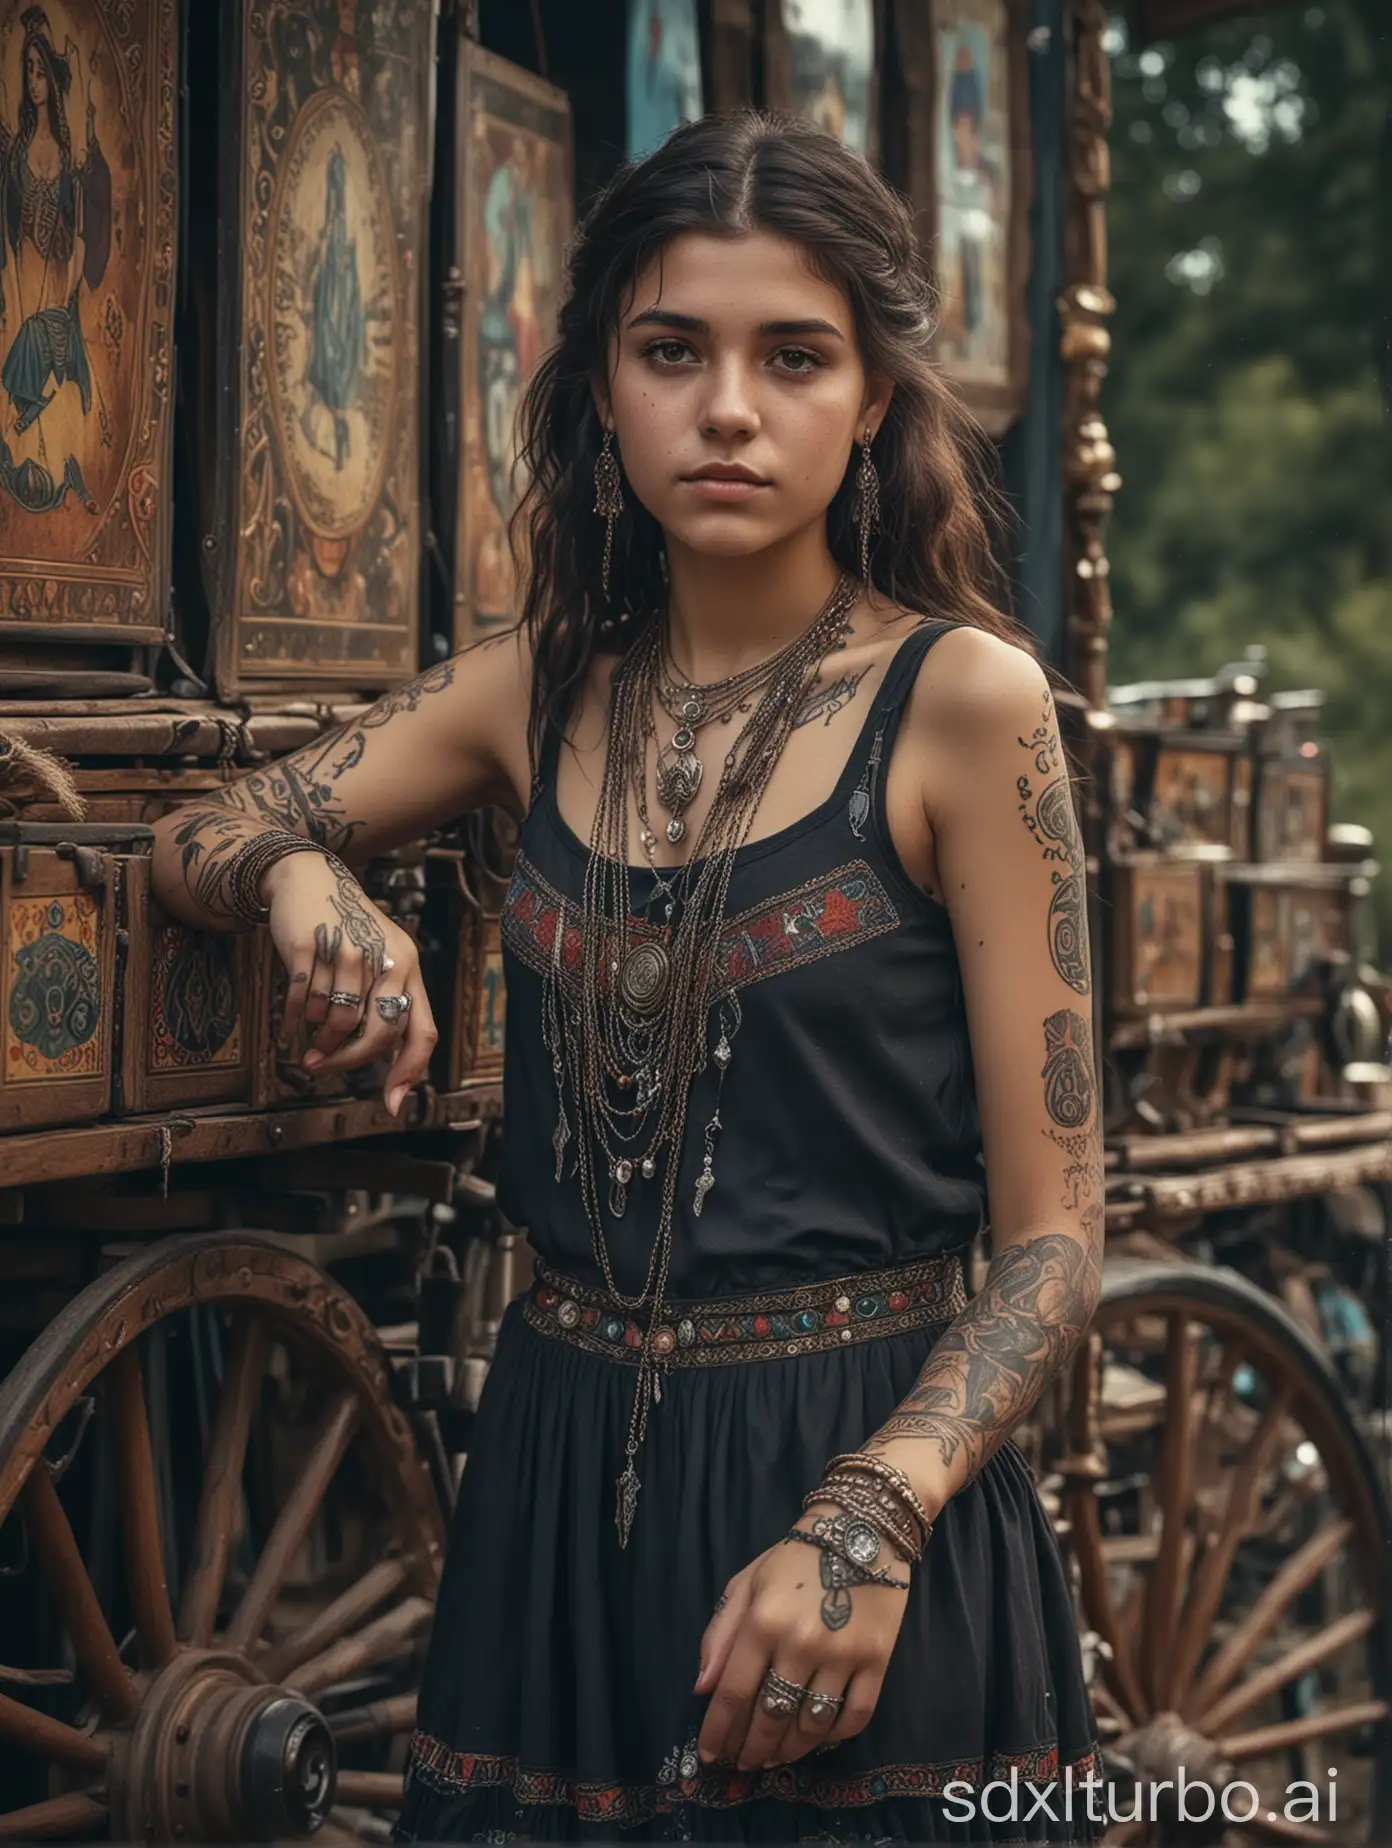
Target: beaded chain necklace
629,1038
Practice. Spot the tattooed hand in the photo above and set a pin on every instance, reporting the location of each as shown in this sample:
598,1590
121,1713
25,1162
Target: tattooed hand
341,954
774,1617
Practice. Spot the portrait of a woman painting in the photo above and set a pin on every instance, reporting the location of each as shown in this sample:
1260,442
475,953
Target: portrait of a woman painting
55,240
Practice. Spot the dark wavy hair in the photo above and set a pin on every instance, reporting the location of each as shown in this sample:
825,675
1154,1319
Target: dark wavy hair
727,176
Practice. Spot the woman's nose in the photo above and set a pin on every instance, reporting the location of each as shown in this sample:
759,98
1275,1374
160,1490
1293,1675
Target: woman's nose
730,409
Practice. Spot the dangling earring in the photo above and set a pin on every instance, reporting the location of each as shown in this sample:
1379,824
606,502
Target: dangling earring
867,504
609,503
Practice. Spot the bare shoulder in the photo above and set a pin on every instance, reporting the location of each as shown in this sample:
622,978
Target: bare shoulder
978,702
978,687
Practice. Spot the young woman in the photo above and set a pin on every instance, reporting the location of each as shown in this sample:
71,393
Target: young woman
797,976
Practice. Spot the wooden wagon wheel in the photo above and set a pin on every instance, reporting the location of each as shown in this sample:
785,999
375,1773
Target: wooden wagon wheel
197,1709
1234,1546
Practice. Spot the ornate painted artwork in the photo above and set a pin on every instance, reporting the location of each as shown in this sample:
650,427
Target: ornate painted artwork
87,215
515,217
53,999
831,47
664,71
195,1001
974,188
332,173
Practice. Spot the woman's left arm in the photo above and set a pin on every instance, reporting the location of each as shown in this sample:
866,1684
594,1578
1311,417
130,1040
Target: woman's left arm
1011,869
982,731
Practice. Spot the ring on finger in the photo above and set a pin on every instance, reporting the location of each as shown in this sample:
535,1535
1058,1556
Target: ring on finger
342,997
781,1697
824,1706
393,1008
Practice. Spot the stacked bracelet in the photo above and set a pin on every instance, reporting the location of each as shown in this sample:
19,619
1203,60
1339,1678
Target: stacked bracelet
878,1493
244,872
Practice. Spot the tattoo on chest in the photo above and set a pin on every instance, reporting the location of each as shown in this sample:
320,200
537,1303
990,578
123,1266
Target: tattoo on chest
1046,808
824,702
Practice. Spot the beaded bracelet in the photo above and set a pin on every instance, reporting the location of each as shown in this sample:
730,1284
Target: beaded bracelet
891,1523
244,872
863,1463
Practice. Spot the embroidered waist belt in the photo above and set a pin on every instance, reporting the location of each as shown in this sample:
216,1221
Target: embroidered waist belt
767,1325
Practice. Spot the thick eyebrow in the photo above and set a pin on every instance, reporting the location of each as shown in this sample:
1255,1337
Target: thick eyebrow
692,324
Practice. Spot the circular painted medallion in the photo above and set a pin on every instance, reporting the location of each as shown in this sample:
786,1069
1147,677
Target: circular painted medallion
335,316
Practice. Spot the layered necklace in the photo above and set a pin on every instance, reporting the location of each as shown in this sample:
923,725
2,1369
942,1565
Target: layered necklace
629,1037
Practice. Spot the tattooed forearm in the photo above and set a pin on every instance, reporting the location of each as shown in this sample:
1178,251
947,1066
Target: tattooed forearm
302,792
998,1356
1046,808
824,702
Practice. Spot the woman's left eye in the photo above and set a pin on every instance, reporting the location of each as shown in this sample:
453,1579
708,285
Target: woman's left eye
799,360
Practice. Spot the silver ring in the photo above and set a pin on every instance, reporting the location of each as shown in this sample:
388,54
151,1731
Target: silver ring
823,1706
393,1007
340,997
782,1698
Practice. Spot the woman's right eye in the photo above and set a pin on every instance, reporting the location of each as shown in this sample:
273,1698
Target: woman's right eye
668,352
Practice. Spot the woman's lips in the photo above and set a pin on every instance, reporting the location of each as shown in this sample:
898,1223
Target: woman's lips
724,487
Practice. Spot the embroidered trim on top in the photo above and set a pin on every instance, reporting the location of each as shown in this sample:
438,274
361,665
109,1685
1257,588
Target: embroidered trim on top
832,912
766,1325
684,1779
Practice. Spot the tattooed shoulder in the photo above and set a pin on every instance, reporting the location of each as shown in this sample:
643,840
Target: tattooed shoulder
1046,808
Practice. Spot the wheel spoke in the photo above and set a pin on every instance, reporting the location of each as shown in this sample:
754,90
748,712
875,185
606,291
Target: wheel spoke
1206,1590
371,1789
1306,1655
1176,1474
377,1643
349,1608
49,1738
92,1641
379,1719
220,1501
1117,1669
1300,1570
58,1819
139,1503
1282,1737
293,1521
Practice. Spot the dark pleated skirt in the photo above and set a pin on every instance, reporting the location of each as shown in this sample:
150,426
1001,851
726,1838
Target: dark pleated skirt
557,1700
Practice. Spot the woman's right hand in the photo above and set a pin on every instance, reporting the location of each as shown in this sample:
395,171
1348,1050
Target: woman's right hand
333,942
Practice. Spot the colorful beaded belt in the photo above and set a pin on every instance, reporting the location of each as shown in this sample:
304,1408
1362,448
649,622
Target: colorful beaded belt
768,1325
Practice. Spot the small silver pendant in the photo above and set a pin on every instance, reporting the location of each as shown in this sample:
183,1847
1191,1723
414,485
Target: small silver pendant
705,1180
676,828
559,1138
628,1487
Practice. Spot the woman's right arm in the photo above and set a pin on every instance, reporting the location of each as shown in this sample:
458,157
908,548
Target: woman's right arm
451,740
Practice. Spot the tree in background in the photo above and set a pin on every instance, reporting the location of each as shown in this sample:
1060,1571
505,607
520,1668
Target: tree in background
1249,395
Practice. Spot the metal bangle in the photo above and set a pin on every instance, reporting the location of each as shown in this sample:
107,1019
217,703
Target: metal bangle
859,1575
864,1463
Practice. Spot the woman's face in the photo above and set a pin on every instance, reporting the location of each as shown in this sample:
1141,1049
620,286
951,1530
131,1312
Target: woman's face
36,76
736,391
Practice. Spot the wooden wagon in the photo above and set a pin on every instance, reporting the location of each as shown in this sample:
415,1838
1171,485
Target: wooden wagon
244,1317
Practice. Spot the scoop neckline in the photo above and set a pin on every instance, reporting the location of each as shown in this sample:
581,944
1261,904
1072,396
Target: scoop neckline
767,843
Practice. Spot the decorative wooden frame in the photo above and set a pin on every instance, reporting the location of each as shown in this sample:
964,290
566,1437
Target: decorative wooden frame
102,573
1155,967
57,937
780,89
1292,810
199,1052
496,99
918,25
319,535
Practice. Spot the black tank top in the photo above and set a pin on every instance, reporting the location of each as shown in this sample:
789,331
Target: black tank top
850,1137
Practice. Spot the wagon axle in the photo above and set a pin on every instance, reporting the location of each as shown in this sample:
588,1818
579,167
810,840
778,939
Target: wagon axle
216,1754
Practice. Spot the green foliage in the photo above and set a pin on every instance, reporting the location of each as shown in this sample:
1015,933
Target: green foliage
1252,267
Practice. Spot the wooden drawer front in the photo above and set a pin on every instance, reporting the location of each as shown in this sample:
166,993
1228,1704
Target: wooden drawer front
480,1001
1192,798
189,1009
1291,812
58,937
1158,918
1219,991
1268,943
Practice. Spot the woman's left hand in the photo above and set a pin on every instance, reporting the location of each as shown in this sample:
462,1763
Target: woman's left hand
772,1619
